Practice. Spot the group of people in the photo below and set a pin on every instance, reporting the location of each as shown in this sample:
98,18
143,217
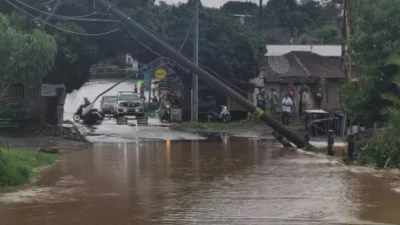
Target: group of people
287,103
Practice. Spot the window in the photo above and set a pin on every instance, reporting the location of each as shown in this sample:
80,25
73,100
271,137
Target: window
128,97
15,91
109,98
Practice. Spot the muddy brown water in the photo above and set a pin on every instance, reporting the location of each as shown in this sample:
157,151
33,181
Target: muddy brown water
201,182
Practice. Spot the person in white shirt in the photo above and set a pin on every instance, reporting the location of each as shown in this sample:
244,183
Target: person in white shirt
287,105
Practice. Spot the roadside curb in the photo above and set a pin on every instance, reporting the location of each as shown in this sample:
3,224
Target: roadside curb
73,133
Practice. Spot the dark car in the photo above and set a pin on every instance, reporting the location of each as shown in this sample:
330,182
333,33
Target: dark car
107,104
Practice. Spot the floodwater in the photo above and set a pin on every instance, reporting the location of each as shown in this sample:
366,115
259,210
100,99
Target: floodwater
201,182
169,177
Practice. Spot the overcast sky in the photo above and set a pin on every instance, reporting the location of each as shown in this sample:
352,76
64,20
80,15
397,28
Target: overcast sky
209,3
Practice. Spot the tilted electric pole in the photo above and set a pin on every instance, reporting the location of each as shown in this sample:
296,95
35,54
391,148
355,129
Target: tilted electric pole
215,83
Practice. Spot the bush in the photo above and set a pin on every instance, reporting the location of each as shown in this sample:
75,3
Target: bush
375,153
20,166
385,150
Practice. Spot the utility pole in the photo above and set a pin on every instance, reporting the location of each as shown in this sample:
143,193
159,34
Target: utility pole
195,79
52,12
260,20
214,82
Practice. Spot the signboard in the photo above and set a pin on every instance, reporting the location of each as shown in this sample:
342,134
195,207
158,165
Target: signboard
147,81
160,73
50,90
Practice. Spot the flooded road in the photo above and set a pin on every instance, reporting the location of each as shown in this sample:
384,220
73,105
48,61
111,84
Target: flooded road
201,182
109,131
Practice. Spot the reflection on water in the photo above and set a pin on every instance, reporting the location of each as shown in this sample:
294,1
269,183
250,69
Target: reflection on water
200,182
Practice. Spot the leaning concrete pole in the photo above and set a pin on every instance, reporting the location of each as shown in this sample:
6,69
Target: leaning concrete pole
188,64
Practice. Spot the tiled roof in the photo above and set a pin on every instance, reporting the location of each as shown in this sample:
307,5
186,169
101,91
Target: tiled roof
299,64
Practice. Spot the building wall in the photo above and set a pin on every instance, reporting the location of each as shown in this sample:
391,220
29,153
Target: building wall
28,97
332,96
35,105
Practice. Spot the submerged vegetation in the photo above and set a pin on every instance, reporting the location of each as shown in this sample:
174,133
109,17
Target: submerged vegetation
20,166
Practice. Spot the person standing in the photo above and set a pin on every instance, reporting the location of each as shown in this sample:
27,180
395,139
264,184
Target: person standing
319,95
301,92
304,100
274,100
261,100
292,94
287,105
292,91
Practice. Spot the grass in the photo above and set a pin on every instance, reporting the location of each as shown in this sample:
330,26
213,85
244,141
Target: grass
21,166
215,126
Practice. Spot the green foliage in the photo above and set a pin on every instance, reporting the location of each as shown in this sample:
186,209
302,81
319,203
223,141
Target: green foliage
24,57
385,151
239,7
375,46
20,166
303,22
221,37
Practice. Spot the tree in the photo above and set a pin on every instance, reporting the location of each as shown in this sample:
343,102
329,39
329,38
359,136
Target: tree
374,43
24,57
220,41
238,7
375,47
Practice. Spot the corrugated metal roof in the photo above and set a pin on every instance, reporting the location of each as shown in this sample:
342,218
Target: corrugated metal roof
322,50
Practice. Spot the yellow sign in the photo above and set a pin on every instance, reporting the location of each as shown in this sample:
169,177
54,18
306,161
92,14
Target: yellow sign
160,74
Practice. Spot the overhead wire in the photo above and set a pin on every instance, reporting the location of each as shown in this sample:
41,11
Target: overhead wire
126,78
146,46
115,30
55,15
59,28
201,65
187,34
90,20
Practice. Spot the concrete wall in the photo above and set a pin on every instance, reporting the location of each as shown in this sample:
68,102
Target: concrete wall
35,105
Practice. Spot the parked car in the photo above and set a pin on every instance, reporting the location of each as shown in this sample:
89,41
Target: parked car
128,104
107,104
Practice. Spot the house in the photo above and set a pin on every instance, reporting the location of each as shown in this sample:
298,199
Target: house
32,102
304,64
242,19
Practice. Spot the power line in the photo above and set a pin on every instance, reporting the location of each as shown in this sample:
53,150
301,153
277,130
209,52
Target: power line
201,65
55,15
146,46
126,78
115,30
187,34
59,28
90,20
